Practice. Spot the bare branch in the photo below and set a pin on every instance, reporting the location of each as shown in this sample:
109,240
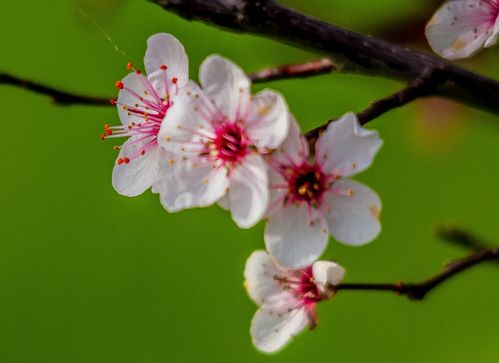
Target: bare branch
63,98
418,88
59,97
301,70
353,52
418,291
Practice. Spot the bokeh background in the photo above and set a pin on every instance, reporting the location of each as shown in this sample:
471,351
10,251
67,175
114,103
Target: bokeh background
87,275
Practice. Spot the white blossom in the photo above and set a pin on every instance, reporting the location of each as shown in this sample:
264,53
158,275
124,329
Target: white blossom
286,298
460,28
217,136
143,103
312,198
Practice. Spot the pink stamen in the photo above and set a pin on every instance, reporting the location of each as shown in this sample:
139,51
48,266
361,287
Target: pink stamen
228,146
151,110
304,182
303,287
149,103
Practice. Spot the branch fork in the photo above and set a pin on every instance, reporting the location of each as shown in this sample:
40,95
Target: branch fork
418,291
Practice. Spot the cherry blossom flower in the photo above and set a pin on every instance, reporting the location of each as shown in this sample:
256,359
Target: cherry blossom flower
461,27
286,298
143,103
217,135
313,197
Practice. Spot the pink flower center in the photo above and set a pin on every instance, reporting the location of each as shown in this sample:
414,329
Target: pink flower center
307,289
148,107
230,144
301,284
488,14
495,11
306,183
494,4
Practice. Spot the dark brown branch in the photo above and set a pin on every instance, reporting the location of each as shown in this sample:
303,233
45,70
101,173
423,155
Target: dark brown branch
353,52
59,97
418,88
301,70
418,291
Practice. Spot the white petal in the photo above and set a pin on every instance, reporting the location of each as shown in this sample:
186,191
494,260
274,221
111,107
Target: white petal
294,239
327,273
140,173
259,275
184,124
271,332
261,280
226,84
224,202
294,149
188,185
164,169
163,86
134,89
267,122
353,213
277,192
165,49
249,191
459,28
346,148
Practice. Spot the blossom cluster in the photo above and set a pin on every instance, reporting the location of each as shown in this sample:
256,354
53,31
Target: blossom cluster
214,142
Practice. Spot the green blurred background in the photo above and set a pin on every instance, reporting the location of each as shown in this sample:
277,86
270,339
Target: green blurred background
89,276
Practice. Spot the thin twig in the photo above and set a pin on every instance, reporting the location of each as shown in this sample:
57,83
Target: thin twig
352,51
418,88
59,97
301,70
418,291
64,98
460,237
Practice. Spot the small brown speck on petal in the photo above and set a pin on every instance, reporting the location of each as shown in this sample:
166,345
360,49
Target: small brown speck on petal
375,211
